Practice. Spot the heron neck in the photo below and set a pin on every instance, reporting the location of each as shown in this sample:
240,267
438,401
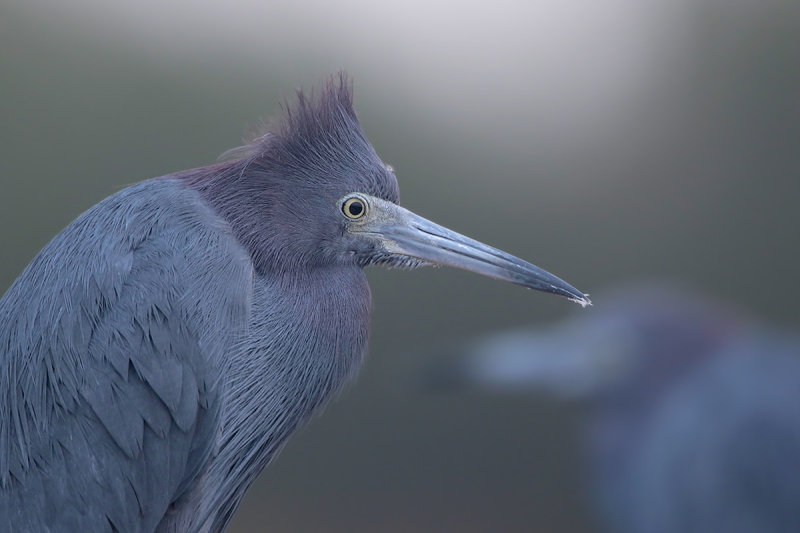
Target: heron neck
306,339
232,191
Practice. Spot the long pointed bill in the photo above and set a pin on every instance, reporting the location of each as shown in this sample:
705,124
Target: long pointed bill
403,232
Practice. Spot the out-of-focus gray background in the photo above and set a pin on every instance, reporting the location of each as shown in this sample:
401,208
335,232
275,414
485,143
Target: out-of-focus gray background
603,140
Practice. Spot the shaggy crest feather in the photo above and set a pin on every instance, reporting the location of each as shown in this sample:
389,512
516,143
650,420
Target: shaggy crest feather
321,123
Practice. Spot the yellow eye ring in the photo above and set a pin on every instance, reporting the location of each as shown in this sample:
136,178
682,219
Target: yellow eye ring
354,207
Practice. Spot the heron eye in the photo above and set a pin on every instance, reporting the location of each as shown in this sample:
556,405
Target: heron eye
354,208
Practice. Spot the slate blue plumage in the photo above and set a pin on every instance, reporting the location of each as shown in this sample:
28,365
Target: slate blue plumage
159,351
114,339
693,410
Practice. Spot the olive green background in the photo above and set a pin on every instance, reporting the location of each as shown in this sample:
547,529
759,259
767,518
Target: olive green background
604,141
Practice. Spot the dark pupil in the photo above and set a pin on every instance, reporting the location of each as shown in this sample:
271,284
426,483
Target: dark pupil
355,209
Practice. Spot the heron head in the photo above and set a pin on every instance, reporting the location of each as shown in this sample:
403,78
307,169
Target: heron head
313,192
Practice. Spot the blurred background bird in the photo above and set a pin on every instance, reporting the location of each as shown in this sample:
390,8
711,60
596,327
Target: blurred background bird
607,141
692,411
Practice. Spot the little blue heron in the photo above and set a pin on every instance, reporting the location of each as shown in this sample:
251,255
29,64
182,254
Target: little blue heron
693,410
159,351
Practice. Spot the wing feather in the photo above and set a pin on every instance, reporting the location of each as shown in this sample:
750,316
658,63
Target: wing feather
110,346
